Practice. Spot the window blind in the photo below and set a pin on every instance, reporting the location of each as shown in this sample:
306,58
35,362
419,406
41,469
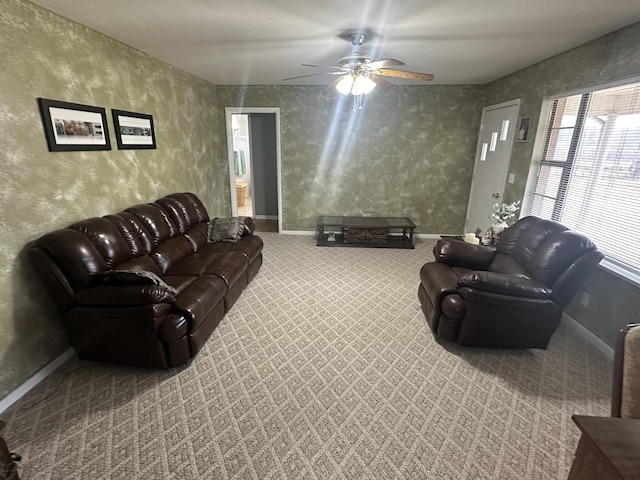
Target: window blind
589,172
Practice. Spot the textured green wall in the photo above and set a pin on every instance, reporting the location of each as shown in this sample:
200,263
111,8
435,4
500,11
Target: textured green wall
614,302
45,55
409,152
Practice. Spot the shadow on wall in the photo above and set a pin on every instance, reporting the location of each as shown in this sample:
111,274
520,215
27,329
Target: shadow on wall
37,337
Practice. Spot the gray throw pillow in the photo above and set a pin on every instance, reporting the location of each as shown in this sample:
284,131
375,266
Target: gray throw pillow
229,229
128,277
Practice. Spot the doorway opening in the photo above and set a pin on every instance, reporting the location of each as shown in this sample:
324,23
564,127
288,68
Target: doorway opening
253,143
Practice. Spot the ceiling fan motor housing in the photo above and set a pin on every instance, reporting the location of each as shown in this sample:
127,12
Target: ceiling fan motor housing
355,59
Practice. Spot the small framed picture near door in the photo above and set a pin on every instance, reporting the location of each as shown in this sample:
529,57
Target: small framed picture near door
524,127
133,130
73,126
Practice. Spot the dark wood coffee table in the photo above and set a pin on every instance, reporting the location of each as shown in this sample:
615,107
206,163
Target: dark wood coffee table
380,232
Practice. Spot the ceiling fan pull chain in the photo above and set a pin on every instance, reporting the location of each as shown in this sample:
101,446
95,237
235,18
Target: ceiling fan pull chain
358,102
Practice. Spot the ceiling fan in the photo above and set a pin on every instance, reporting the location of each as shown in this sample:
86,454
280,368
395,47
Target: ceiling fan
359,73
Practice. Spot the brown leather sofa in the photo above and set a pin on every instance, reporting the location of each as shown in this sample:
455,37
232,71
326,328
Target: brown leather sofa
144,287
510,296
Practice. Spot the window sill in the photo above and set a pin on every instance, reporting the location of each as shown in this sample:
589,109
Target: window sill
618,271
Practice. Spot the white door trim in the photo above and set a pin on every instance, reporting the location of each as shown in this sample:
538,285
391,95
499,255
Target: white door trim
228,111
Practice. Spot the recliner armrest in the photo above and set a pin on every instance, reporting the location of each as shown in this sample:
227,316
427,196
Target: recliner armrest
504,284
457,253
117,295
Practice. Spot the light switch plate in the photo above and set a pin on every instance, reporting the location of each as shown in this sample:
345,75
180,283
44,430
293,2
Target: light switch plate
512,178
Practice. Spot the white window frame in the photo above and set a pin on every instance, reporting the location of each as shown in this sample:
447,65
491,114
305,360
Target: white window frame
622,271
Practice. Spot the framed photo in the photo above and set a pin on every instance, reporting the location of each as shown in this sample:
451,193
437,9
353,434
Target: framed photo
133,130
524,128
72,126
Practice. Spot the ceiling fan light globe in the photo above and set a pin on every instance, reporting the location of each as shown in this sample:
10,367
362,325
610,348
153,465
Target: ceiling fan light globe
362,85
345,84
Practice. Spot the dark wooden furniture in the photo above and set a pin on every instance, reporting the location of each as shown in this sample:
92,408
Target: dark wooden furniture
609,449
8,467
389,232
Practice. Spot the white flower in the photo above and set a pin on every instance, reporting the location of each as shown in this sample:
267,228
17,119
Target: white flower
503,212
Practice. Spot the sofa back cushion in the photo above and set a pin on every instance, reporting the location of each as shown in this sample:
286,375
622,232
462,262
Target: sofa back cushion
170,245
155,220
67,259
185,211
106,239
131,233
189,214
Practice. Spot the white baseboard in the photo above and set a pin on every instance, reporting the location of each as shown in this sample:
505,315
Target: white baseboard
429,236
22,390
588,336
298,232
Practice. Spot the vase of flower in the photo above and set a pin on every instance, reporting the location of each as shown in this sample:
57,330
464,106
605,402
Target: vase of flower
498,228
501,213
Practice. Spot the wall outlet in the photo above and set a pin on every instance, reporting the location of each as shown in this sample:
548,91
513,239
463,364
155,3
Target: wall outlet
512,178
586,298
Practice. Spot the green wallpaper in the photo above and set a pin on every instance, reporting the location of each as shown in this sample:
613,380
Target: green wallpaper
614,302
45,55
409,152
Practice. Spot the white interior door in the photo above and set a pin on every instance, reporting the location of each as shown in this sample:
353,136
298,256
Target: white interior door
497,131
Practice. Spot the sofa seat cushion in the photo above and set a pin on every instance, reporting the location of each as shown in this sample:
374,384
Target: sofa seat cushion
249,245
133,277
229,266
107,295
143,262
179,282
171,252
199,298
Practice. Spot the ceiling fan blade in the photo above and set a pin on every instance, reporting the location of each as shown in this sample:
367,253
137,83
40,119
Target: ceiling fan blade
379,81
323,66
312,75
404,74
387,62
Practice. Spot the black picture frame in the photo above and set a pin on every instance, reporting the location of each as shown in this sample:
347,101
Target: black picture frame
523,129
133,130
73,126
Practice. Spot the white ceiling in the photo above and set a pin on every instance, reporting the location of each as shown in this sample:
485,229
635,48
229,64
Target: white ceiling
260,42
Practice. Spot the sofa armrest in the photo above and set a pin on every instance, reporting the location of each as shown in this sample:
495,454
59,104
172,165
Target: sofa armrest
504,284
119,295
456,253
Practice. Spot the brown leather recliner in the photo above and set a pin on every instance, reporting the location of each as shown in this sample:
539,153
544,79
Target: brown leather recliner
510,296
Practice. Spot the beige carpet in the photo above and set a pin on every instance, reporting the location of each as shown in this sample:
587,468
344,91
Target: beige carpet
324,369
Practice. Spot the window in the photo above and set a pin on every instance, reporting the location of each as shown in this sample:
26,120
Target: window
589,171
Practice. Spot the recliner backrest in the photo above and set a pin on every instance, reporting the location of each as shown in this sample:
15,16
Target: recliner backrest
544,248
